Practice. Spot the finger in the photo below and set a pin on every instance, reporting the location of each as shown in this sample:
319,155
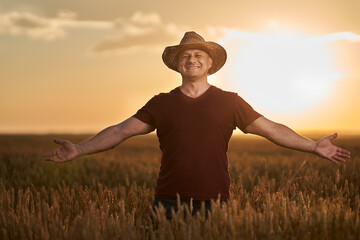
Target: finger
49,155
332,137
337,158
48,158
58,141
341,150
333,160
54,158
343,155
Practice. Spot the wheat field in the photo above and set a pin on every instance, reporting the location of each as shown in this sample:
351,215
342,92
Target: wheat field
275,193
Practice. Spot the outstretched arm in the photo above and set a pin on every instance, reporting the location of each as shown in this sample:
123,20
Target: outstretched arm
104,140
284,136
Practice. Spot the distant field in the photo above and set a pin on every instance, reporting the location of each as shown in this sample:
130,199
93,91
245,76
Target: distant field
275,193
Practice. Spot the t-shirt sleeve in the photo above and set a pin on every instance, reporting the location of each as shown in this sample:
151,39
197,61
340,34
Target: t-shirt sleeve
147,113
244,114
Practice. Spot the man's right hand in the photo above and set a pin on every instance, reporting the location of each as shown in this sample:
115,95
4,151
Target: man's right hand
66,152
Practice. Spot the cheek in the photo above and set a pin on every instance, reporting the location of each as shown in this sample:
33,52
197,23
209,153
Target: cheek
181,63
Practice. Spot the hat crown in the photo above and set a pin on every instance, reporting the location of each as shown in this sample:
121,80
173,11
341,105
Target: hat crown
191,37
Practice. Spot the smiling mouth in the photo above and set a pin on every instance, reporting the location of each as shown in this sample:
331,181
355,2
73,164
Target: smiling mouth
193,67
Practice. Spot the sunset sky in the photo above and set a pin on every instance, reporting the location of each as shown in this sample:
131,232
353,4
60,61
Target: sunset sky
80,66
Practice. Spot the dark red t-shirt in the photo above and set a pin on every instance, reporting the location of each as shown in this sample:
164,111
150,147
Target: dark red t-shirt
194,135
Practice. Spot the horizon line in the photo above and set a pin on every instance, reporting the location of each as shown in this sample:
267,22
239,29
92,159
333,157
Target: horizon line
235,132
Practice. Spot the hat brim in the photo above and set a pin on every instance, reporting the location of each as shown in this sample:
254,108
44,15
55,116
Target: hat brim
215,51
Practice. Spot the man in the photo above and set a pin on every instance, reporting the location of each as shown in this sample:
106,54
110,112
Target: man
194,123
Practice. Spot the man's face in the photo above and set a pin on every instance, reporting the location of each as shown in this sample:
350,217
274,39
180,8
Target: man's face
194,63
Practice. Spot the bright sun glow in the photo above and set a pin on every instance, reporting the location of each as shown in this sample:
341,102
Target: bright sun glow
280,73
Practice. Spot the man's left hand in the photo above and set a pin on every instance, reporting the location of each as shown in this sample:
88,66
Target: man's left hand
324,148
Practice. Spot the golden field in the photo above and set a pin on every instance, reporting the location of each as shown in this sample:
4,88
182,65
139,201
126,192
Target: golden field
275,193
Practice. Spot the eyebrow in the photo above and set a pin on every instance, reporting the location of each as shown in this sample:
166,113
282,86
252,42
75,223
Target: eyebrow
185,53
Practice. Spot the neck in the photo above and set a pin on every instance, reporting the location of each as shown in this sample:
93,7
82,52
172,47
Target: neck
194,88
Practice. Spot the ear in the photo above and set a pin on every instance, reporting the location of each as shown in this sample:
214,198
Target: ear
210,65
210,61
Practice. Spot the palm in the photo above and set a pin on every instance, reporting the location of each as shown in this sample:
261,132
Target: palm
66,152
324,148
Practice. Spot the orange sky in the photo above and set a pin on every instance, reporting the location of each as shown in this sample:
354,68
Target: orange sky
81,66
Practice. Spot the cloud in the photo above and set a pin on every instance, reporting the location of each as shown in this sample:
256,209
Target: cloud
146,19
48,29
33,26
348,36
139,30
151,38
232,34
149,30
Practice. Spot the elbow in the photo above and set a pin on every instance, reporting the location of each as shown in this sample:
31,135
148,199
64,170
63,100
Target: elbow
120,132
274,131
124,131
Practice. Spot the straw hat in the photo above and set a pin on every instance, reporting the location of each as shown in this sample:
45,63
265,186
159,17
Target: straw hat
192,40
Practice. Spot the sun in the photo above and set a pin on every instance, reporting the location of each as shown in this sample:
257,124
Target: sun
281,73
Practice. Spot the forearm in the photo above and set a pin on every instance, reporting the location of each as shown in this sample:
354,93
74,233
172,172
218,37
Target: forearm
286,137
112,136
104,140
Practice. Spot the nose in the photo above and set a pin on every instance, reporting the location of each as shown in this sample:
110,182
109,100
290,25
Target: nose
191,59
